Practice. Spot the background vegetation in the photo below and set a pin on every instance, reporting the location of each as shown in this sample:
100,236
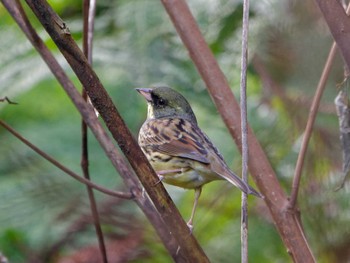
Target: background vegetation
45,215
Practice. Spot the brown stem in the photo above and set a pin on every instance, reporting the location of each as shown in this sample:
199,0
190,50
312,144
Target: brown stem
65,169
89,15
309,126
143,201
311,120
175,227
339,25
260,168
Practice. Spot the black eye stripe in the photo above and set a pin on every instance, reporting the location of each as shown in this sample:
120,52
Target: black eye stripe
158,101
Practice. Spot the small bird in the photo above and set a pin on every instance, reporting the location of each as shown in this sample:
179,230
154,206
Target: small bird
179,152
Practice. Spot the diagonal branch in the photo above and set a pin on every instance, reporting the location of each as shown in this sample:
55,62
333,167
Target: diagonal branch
175,227
8,100
142,200
64,168
339,25
309,126
286,221
312,117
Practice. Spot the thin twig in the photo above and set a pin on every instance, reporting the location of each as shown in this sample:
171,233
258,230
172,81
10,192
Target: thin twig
310,123
244,131
89,7
8,100
64,168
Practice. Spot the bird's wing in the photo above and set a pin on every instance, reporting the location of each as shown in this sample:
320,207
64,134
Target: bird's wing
175,137
181,138
219,166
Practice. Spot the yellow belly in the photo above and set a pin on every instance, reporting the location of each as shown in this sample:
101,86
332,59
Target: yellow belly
182,172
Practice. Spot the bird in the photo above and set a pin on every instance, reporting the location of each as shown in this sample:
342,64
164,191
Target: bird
177,149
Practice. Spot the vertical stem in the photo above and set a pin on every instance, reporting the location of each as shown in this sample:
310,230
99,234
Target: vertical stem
89,14
244,131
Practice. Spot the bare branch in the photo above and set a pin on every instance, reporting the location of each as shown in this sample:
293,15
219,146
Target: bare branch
65,169
175,226
286,221
244,131
89,7
309,126
311,120
8,100
339,25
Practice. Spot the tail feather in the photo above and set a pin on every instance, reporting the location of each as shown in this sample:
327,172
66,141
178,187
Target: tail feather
239,183
252,191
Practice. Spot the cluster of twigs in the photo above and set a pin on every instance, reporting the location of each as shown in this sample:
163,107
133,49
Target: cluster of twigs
156,204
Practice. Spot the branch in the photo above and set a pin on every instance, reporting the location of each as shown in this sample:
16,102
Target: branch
143,201
339,25
89,7
309,126
175,226
286,222
65,169
244,131
312,117
8,100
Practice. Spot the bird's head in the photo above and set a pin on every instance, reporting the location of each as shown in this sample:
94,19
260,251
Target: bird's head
165,102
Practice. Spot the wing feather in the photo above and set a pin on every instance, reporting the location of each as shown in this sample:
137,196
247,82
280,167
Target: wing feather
173,137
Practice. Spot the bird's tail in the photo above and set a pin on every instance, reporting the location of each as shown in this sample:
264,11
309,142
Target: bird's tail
252,191
238,182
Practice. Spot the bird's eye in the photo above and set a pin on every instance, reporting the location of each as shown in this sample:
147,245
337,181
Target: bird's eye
161,102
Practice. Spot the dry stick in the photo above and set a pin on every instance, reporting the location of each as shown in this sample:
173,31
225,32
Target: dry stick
89,15
309,126
339,25
310,122
64,168
286,221
175,226
119,163
244,131
8,100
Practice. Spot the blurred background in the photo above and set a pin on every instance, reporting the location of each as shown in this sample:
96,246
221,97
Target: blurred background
45,215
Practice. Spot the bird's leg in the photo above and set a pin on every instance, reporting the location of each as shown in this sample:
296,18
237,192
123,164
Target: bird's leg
197,194
161,177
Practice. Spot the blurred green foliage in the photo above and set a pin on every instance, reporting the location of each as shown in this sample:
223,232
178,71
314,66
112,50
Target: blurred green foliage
135,45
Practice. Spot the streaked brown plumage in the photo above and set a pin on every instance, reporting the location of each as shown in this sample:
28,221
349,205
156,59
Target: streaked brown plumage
180,153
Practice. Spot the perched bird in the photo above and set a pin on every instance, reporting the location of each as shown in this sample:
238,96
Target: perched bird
179,152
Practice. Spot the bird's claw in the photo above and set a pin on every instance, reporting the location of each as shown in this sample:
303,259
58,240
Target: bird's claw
190,227
161,177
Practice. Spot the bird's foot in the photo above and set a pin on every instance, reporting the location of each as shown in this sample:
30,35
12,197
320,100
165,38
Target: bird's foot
161,177
162,172
190,227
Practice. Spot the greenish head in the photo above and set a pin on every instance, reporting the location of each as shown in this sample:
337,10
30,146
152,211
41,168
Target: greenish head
165,102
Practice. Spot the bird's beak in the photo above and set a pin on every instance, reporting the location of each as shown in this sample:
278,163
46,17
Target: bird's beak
146,92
